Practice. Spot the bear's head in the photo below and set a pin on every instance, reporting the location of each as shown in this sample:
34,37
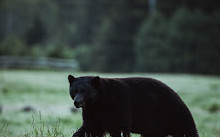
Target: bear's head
83,90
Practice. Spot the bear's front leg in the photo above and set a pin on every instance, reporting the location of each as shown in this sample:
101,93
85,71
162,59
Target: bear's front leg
80,132
126,116
126,134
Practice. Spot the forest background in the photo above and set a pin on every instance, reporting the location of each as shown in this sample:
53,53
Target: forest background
180,36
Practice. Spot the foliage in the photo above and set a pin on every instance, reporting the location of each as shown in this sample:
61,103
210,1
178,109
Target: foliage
36,34
122,36
190,34
41,128
83,55
113,44
59,50
169,7
12,46
178,44
111,54
19,16
15,46
152,50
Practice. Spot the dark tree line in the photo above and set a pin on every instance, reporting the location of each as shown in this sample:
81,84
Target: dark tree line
116,35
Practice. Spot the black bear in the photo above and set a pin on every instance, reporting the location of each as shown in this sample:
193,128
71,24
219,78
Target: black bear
120,106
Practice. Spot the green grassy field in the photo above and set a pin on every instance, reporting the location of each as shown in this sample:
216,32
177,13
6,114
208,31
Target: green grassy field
46,94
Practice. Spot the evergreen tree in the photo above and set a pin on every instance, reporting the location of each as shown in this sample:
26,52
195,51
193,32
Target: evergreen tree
152,51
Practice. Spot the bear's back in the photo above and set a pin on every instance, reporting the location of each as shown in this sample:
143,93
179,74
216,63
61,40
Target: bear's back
155,108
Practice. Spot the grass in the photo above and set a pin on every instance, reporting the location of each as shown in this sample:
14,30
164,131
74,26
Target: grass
46,94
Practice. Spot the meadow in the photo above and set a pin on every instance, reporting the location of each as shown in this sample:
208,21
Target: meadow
37,102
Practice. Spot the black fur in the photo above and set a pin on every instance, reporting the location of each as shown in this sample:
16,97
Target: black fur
131,105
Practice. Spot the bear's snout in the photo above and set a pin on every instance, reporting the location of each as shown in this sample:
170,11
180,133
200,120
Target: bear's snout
78,104
78,101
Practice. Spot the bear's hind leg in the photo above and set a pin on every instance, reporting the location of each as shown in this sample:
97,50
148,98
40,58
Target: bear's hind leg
115,134
151,136
125,133
97,134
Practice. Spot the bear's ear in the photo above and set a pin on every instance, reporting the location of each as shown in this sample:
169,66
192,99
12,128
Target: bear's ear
71,78
95,82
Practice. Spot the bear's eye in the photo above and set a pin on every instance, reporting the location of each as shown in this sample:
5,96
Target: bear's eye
71,89
75,91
